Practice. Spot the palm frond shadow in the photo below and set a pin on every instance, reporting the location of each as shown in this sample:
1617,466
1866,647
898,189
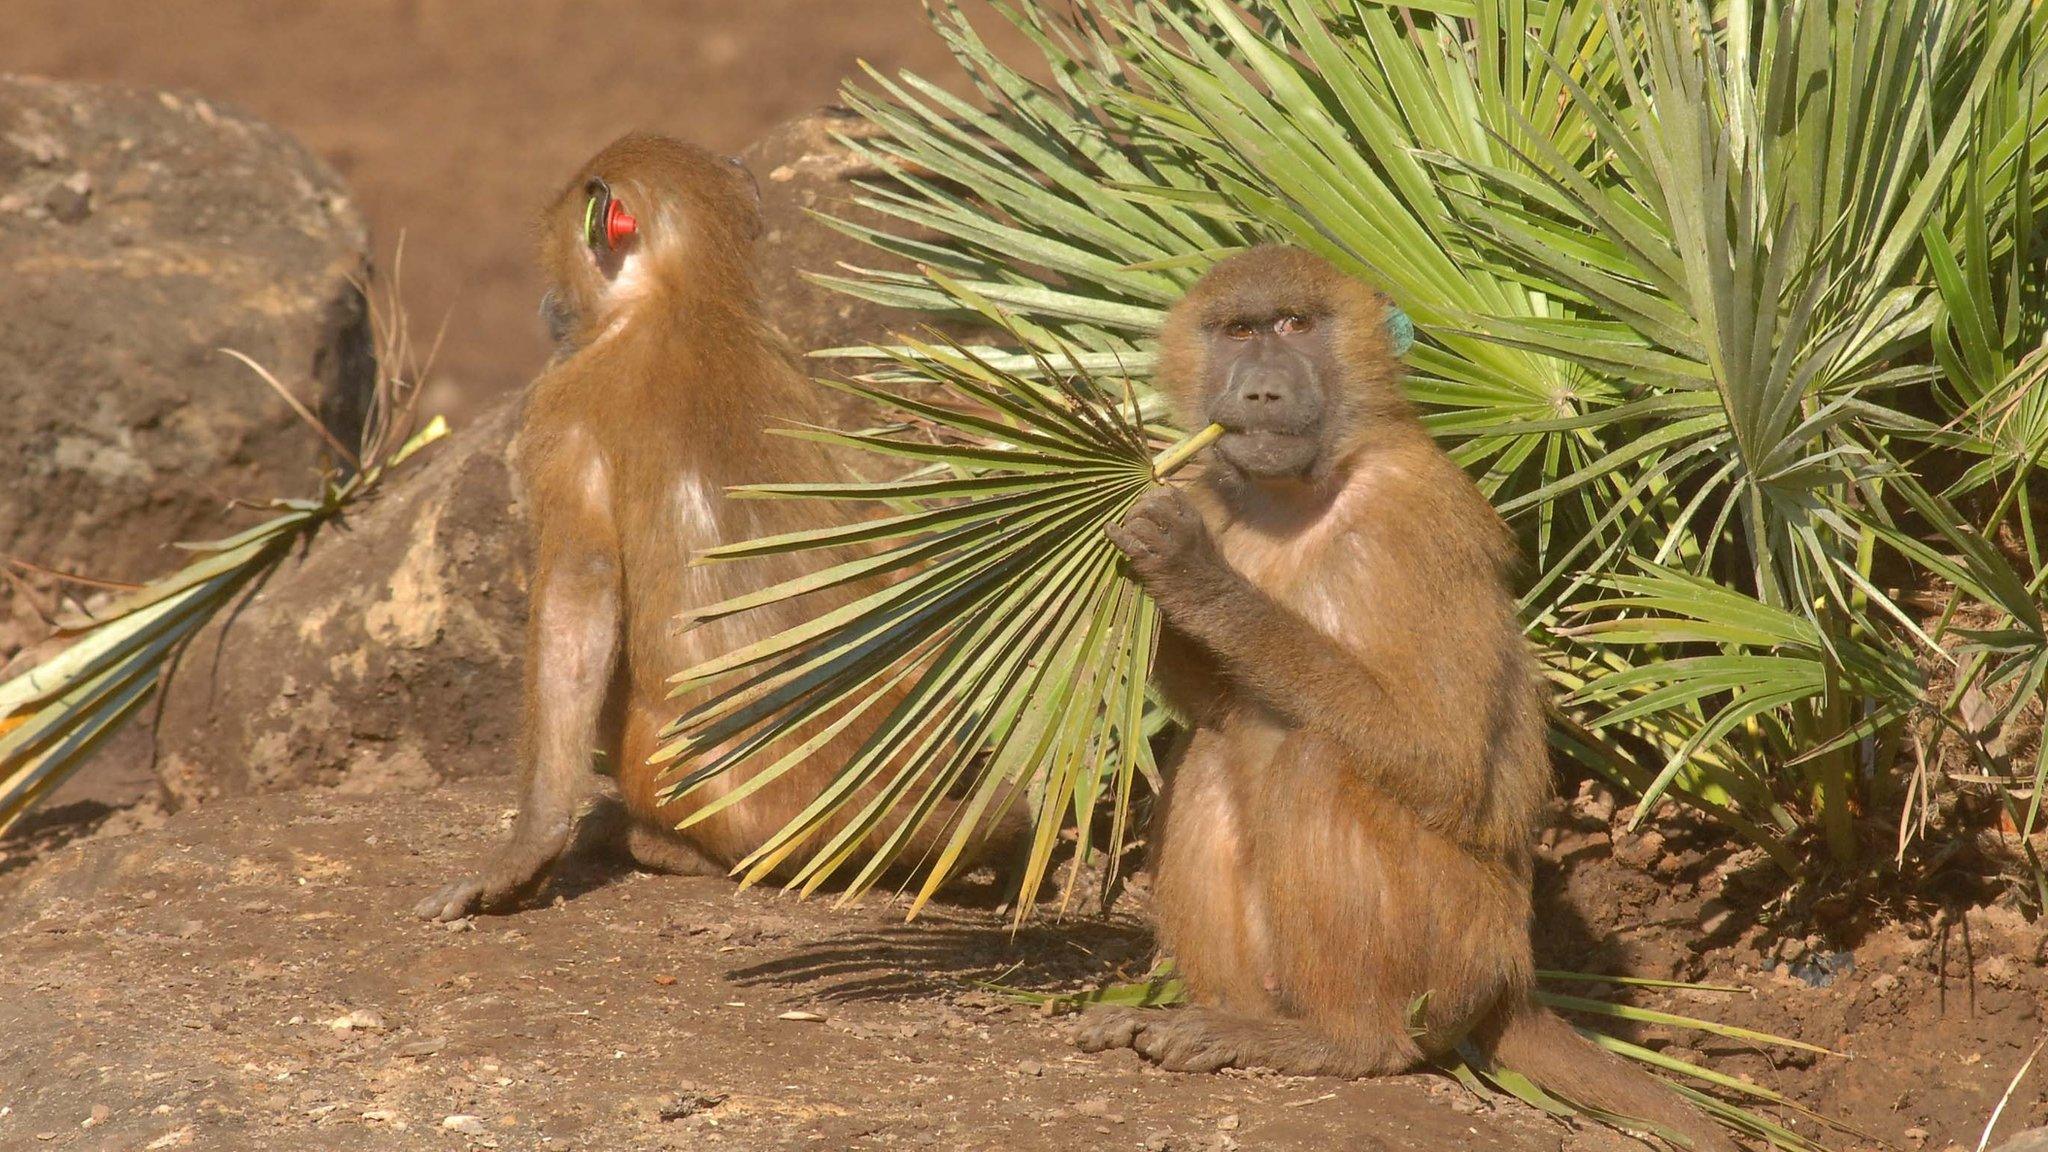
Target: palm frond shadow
945,953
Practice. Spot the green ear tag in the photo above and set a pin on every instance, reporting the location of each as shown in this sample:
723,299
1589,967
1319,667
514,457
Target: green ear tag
1401,329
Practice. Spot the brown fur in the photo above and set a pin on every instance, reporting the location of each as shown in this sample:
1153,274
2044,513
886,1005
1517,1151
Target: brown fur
657,400
1343,876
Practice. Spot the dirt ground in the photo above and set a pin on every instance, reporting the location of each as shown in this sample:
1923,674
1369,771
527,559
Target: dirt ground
454,121
247,976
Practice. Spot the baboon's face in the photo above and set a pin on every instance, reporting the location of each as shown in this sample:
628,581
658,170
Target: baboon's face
1269,374
1290,355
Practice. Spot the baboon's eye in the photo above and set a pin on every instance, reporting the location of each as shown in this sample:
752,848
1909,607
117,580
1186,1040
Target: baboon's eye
1291,324
1238,330
606,223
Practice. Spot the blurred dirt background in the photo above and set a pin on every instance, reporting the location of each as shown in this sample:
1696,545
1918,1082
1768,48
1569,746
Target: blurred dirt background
454,120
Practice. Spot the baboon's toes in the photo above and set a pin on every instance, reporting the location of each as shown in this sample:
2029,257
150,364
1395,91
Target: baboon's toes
1185,1046
1101,1029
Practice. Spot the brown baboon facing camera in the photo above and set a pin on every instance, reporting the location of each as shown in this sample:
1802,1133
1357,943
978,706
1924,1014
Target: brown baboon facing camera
1343,874
665,380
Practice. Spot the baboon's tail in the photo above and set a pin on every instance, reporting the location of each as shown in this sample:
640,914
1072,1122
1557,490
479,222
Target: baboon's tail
1532,1040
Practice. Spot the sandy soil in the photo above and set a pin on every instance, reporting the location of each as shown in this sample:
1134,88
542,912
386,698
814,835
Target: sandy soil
455,120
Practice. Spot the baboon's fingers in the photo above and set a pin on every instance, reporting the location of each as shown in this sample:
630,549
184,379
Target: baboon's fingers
464,897
1125,541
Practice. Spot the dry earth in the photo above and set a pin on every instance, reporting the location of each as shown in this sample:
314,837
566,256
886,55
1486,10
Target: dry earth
247,978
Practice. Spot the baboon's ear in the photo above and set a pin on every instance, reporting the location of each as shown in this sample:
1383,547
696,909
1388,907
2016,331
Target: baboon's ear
1400,326
753,190
556,316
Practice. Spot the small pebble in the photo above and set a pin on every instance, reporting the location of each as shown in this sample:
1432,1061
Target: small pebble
360,1020
1098,1107
465,1124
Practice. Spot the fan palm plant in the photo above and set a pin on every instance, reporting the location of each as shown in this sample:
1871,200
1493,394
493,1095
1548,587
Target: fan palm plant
1700,294
1025,655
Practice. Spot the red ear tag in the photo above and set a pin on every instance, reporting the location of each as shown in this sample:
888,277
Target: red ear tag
618,225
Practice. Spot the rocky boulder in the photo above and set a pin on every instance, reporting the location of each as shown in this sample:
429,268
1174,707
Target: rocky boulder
388,654
141,232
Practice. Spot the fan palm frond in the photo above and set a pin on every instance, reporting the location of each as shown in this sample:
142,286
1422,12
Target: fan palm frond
997,608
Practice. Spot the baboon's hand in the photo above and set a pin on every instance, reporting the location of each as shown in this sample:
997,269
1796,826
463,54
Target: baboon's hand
1166,541
512,872
458,899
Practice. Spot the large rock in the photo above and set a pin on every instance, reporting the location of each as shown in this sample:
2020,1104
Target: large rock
391,653
140,232
804,170
387,655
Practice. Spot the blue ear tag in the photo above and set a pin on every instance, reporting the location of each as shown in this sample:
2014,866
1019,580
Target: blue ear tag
1401,329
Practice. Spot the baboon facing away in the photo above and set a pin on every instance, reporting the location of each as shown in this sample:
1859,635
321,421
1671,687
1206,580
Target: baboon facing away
664,383
1343,872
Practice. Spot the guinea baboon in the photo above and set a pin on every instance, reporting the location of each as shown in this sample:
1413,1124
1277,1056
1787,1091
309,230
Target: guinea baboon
1343,874
665,379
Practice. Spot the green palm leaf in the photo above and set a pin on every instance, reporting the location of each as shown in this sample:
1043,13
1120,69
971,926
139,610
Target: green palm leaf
1024,652
56,714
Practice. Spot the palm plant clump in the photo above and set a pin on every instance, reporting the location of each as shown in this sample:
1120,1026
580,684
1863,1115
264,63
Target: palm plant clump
1735,313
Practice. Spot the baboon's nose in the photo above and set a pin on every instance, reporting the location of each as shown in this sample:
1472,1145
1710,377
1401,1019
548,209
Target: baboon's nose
1264,387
